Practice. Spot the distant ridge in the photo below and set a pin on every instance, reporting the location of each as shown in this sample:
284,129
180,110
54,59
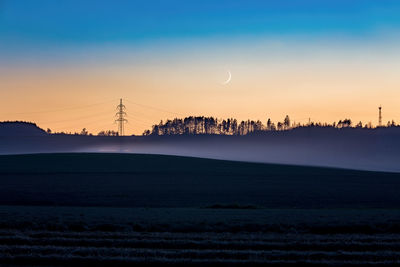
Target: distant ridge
20,128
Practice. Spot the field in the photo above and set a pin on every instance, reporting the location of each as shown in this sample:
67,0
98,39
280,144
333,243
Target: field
119,209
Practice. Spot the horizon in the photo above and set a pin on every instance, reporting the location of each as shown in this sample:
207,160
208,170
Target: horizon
65,65
203,125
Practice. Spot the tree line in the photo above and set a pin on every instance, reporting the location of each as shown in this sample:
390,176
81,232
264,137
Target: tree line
195,125
200,125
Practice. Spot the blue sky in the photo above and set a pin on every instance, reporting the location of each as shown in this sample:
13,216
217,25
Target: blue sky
80,22
54,31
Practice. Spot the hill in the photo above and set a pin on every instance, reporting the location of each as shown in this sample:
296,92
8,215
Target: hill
126,180
18,128
125,209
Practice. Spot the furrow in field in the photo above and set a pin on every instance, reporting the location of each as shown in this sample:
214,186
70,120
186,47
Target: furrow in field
295,244
127,253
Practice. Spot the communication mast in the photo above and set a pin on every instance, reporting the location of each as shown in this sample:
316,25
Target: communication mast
121,117
380,116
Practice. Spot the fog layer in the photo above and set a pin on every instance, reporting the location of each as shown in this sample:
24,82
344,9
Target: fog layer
363,149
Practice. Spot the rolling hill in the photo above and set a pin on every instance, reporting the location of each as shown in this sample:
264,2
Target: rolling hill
20,129
121,209
135,180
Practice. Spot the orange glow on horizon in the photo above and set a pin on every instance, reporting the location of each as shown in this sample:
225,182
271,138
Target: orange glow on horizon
325,87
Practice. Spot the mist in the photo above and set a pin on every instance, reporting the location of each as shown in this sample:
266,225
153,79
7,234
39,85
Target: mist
361,149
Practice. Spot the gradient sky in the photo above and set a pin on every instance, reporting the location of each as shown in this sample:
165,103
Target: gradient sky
65,64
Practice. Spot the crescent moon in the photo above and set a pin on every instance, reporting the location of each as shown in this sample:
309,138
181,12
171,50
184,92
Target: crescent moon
229,78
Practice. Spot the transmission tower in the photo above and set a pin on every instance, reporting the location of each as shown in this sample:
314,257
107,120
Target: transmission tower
380,116
121,117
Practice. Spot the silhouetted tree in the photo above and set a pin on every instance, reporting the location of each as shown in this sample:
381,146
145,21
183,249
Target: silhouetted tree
344,123
108,133
286,122
155,130
234,126
84,132
269,123
280,126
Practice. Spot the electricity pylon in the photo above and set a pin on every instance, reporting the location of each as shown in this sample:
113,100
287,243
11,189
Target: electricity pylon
121,118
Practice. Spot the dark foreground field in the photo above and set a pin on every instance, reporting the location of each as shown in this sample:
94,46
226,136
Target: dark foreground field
114,210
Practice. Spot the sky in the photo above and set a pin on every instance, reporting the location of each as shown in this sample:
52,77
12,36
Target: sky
65,64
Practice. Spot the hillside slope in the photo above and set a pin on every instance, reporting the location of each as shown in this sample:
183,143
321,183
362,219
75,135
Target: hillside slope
125,180
20,129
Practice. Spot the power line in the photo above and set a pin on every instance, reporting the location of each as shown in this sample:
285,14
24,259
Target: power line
63,109
81,125
141,119
77,118
154,108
